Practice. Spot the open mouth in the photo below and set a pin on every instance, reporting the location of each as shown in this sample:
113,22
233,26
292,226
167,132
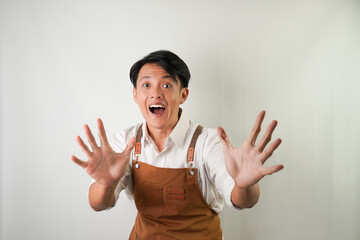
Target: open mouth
157,109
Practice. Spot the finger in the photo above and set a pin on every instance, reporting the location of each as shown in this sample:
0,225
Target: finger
83,146
90,137
224,138
82,164
129,146
269,150
256,128
102,133
267,136
272,169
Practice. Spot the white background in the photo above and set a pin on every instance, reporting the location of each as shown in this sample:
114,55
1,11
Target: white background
65,63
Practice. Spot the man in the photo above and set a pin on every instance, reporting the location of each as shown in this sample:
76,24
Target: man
179,173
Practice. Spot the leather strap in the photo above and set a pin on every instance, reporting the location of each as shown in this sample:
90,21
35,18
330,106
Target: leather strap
138,141
191,150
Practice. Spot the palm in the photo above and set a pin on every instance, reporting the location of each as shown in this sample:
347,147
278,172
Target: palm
245,164
104,165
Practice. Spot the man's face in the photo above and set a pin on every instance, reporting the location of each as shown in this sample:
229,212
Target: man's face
158,97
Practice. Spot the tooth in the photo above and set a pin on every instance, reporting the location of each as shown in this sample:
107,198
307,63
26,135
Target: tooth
157,106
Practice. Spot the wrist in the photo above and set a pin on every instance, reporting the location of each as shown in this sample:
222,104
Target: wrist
245,197
107,186
245,189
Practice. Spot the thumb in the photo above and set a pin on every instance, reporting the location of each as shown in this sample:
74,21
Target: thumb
130,145
223,137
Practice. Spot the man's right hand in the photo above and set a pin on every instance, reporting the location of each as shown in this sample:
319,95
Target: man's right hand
104,165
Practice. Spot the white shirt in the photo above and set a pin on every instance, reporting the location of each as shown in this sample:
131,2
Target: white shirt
214,181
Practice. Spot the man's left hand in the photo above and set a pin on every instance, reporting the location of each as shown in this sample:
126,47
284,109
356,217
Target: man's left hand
246,163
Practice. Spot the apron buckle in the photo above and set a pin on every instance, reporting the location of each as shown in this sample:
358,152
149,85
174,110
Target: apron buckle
190,164
136,155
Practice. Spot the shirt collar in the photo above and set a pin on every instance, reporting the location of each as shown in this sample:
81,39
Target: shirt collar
180,129
178,133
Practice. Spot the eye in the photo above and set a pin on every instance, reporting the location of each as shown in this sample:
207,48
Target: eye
167,85
145,85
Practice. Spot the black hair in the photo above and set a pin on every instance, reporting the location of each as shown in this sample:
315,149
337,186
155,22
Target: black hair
169,61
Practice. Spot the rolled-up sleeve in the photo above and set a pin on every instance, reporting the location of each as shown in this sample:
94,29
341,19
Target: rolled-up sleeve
118,144
215,166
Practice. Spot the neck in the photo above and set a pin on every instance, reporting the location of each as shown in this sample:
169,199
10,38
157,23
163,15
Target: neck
159,136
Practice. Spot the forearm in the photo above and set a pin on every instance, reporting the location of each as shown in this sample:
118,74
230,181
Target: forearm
101,198
245,197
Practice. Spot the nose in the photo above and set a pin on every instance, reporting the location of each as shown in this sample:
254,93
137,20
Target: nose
157,93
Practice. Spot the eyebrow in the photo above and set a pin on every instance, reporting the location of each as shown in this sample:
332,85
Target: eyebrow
163,77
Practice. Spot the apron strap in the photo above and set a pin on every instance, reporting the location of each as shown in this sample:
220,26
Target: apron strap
191,150
138,141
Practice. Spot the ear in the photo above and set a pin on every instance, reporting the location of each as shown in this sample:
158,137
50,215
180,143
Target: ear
134,94
184,94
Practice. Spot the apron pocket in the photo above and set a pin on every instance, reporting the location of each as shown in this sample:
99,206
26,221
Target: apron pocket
176,200
151,201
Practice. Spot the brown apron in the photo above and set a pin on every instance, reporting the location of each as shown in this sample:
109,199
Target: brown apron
169,201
